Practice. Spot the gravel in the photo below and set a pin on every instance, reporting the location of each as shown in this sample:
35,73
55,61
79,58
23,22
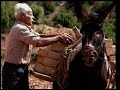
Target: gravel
37,83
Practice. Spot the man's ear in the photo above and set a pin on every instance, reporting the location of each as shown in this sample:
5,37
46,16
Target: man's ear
22,15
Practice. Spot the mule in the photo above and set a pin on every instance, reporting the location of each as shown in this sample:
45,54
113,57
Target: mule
88,69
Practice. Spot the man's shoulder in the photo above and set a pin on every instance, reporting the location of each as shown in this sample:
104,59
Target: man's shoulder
19,26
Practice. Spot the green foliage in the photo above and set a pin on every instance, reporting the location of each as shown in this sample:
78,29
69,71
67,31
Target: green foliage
38,12
66,19
7,13
44,20
109,25
49,6
40,31
110,30
100,5
50,23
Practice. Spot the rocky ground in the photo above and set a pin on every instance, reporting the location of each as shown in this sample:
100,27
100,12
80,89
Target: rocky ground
37,83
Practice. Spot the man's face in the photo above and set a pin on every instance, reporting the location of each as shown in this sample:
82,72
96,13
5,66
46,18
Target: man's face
28,18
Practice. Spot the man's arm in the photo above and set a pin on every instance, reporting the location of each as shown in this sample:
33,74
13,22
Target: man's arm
48,35
30,38
47,41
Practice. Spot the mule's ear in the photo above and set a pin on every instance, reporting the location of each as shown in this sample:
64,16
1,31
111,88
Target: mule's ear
104,14
80,11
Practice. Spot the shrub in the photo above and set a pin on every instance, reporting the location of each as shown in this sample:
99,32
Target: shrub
49,6
110,29
38,12
66,19
100,5
44,20
7,15
40,31
109,33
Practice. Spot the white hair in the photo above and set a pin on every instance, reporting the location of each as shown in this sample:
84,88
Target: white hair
21,8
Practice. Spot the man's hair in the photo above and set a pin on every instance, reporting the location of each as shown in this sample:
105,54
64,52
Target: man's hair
21,8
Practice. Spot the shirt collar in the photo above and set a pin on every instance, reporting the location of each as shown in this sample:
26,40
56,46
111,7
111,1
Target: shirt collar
24,24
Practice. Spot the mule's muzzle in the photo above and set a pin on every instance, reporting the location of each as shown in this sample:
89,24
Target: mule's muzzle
89,56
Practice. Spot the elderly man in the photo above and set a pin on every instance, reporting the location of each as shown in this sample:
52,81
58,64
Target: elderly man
19,42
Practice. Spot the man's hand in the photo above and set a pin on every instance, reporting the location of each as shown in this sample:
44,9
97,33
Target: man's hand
65,39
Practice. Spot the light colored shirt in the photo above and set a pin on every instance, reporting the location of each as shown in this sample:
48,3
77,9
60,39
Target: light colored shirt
19,43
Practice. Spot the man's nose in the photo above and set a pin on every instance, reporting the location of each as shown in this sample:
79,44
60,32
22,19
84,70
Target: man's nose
32,17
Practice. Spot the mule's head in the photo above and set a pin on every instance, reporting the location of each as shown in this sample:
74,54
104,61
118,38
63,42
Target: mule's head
92,33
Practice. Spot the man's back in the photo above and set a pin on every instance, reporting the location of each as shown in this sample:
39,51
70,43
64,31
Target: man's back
17,51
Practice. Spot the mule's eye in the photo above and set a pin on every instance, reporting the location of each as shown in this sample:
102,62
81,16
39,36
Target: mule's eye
98,32
83,34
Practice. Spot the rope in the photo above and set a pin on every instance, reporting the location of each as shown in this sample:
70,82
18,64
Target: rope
62,69
112,77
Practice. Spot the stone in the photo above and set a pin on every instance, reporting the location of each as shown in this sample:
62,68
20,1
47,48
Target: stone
44,69
49,53
108,43
58,47
47,61
112,58
109,51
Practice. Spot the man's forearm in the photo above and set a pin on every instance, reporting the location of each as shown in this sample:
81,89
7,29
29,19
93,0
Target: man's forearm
47,41
48,35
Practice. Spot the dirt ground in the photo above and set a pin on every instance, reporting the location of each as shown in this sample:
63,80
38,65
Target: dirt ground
37,83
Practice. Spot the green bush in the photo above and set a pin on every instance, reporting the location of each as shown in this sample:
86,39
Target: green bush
49,6
101,5
7,15
38,12
47,22
66,19
110,30
44,20
110,27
